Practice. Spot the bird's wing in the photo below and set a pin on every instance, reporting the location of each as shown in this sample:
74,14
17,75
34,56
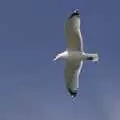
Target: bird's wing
72,72
73,33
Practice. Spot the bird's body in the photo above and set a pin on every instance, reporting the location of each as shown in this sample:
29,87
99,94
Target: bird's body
74,55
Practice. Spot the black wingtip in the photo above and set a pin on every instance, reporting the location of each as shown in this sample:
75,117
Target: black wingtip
72,93
74,13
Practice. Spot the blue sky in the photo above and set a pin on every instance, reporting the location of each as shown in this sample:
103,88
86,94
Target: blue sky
32,85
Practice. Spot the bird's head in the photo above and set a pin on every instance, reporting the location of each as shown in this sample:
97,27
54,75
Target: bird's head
62,55
57,57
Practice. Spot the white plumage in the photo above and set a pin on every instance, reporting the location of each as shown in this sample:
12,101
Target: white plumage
74,55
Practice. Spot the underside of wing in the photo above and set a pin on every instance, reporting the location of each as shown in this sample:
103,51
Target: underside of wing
72,72
73,34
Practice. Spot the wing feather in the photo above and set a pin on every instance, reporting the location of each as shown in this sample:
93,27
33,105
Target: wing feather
73,34
72,72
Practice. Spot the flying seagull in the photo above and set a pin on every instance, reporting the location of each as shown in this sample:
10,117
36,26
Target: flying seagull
74,54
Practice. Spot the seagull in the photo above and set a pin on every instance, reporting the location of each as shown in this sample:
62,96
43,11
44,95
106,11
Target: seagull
74,55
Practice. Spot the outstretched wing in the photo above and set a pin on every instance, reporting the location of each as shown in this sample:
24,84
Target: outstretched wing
71,73
72,32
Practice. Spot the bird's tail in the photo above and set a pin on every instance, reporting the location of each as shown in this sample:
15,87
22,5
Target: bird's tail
93,57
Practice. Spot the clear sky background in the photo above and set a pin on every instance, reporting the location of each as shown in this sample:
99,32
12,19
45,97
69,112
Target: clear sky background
32,85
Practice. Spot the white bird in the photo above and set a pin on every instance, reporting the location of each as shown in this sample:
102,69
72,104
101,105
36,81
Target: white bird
74,55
